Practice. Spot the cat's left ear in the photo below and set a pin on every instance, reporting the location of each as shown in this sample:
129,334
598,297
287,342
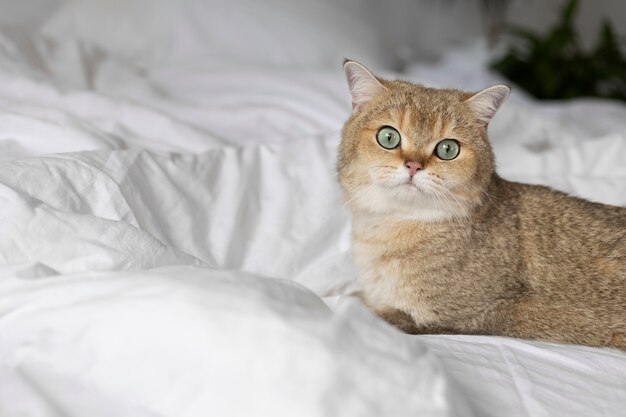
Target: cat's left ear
485,103
364,86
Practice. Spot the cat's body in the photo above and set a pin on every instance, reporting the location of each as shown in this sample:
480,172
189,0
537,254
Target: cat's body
450,247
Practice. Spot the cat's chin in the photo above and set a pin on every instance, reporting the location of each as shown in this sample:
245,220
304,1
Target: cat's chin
406,201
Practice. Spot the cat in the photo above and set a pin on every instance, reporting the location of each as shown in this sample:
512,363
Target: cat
442,244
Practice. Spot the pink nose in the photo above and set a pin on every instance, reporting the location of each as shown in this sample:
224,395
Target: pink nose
413,167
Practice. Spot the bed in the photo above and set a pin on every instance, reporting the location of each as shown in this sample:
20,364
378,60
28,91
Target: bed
173,241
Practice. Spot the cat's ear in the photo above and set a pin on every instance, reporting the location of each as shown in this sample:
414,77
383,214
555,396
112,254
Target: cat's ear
485,103
364,86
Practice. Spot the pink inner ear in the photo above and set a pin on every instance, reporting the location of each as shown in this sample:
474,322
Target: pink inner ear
485,103
363,84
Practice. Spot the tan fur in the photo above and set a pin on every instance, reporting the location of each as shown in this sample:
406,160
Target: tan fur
478,255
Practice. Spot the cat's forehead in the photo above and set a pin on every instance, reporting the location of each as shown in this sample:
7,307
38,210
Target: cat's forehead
421,112
423,101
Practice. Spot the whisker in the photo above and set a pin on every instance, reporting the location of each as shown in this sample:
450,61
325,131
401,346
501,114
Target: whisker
457,212
491,197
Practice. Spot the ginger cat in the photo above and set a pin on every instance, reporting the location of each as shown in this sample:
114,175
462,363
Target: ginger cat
444,245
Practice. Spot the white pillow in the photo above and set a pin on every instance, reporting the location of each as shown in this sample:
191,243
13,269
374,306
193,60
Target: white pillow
274,33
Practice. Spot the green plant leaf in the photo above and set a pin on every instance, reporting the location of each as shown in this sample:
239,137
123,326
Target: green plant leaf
554,66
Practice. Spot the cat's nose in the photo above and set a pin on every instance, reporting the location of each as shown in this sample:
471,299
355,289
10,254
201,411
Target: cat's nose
413,167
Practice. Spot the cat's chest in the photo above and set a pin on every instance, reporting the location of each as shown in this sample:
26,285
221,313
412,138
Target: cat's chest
382,264
396,269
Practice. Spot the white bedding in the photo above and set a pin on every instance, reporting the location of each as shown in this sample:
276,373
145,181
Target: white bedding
173,244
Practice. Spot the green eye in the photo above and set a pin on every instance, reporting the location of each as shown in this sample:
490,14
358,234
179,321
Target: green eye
388,137
448,149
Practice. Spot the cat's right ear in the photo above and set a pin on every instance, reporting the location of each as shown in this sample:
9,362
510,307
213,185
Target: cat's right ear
364,86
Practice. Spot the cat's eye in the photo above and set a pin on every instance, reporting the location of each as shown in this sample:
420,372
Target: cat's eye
448,149
388,137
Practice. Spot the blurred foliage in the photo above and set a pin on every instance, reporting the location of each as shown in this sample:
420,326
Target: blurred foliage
554,66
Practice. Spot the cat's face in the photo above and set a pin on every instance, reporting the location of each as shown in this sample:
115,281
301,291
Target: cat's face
415,152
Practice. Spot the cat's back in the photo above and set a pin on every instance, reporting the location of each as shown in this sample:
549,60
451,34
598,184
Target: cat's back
564,238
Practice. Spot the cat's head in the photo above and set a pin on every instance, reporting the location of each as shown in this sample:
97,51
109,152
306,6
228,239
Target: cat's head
415,152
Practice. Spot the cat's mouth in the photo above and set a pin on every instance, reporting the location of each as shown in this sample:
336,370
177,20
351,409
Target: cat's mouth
409,186
409,189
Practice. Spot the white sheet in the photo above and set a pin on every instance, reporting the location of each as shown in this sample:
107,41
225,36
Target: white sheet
187,341
173,263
